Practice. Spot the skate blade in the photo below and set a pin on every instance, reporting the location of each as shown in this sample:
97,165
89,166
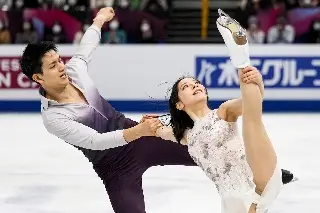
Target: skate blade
165,119
294,179
232,25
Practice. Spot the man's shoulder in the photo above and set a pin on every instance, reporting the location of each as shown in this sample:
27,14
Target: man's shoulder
54,120
78,74
52,114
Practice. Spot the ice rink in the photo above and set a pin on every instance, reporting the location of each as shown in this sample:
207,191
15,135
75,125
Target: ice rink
42,174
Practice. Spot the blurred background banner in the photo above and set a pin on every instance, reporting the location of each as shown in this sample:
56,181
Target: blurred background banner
137,78
151,43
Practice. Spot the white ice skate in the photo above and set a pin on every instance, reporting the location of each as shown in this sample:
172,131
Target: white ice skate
235,38
165,119
295,179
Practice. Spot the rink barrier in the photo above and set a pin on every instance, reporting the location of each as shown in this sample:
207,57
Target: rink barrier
162,106
132,77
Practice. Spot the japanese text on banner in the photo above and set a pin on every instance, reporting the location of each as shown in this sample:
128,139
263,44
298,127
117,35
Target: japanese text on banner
277,72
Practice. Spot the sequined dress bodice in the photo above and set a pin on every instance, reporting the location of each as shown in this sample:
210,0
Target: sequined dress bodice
216,146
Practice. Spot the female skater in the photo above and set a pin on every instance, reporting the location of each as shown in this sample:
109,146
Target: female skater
245,172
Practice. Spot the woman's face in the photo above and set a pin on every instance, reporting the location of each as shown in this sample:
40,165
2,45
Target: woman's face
190,92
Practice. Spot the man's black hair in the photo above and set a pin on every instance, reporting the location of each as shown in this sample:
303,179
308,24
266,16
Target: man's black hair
31,60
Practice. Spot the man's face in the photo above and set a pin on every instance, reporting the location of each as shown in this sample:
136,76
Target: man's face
53,72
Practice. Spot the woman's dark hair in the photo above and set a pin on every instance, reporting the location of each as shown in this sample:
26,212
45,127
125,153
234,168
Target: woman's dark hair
180,120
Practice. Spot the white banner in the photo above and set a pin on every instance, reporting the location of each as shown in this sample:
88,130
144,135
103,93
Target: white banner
144,72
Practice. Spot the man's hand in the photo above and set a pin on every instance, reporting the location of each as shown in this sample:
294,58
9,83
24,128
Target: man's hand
104,15
145,117
149,126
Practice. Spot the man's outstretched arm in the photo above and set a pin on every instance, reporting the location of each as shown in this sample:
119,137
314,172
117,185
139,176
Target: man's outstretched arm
89,42
80,135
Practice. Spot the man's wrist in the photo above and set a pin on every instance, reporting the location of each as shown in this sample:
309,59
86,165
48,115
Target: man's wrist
132,133
99,20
